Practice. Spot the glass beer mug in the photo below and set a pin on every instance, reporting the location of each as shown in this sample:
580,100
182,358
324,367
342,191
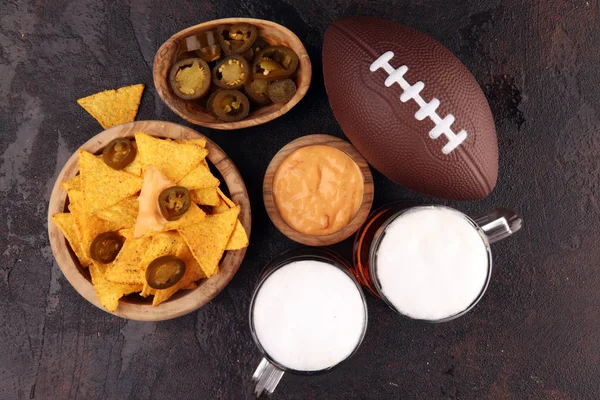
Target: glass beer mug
307,315
430,263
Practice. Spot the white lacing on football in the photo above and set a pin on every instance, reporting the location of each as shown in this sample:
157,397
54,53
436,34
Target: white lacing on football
442,126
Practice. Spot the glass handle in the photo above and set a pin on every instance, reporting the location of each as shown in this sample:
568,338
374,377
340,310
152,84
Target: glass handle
499,224
265,379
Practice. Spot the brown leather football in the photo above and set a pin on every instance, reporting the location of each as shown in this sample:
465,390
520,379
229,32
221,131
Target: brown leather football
411,108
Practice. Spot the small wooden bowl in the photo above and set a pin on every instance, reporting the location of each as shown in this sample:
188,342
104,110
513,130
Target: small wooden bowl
362,213
184,301
191,111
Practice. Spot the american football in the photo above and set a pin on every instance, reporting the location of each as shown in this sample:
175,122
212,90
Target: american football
412,109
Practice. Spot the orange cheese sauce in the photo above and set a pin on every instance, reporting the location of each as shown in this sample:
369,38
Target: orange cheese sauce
149,217
318,190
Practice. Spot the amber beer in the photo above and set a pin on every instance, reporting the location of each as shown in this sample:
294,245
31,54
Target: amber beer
430,263
362,245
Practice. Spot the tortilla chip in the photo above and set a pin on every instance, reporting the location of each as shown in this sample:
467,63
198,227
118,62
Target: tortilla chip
238,239
135,167
88,226
124,213
92,227
220,208
76,210
103,186
75,197
198,142
208,240
173,159
72,183
162,244
194,215
193,272
66,223
192,285
199,178
126,268
206,196
226,199
114,107
80,218
108,292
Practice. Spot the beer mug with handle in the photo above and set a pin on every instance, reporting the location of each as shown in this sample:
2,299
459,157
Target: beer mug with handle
430,263
307,315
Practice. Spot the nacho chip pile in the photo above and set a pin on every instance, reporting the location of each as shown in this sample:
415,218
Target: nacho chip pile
102,199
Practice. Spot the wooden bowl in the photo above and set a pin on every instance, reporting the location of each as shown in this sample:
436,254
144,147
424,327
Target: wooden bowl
363,211
135,307
191,111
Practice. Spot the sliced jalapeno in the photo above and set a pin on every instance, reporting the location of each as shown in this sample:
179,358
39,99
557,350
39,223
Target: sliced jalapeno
230,105
106,246
210,101
190,78
274,63
280,92
248,55
236,39
164,272
204,44
173,202
258,91
259,44
119,153
231,72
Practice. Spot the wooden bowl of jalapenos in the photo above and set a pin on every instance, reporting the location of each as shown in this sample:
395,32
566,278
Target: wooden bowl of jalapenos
232,73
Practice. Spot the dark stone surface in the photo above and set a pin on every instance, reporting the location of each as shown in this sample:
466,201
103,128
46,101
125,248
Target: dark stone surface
535,333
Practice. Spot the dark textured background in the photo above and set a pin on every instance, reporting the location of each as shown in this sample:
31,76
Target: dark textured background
535,333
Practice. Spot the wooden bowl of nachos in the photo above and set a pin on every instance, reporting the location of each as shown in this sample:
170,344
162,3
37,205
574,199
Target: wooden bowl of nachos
90,198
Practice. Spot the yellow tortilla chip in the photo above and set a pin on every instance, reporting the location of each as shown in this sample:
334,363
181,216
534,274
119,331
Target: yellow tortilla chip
208,239
76,210
162,244
72,183
103,186
173,159
199,178
198,142
108,292
220,208
124,213
88,226
203,162
92,227
75,197
238,239
126,268
226,199
194,215
135,167
206,196
114,107
193,272
192,285
66,223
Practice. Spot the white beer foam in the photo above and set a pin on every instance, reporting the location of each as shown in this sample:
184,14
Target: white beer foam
308,315
431,263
